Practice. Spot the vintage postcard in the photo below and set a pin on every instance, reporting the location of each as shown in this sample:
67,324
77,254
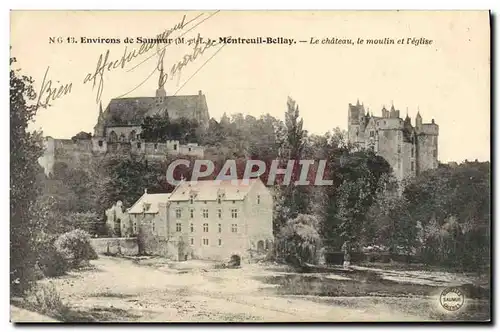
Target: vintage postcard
250,166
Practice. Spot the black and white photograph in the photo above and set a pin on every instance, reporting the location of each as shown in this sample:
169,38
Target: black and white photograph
250,166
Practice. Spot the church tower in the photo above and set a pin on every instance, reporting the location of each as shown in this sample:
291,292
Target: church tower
99,127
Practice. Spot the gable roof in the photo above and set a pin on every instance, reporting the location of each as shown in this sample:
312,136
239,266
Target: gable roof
209,190
149,203
132,111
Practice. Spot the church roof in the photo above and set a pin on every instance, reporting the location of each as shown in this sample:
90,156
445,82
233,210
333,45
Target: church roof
132,111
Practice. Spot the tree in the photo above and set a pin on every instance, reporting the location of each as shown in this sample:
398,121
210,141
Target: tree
294,197
25,149
299,241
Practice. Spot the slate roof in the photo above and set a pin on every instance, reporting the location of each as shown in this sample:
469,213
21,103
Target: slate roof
149,203
132,111
209,190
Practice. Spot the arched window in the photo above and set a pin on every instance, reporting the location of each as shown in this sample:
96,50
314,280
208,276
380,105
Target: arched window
122,137
113,137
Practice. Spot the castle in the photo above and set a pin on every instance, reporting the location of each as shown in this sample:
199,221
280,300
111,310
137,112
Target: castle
118,130
408,149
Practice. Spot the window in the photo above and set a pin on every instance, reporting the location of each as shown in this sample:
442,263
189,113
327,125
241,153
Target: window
191,213
156,146
153,225
435,153
138,136
100,143
205,242
205,228
205,213
220,228
138,145
258,199
178,213
219,200
412,151
204,202
412,166
220,242
135,227
192,241
192,228
234,228
189,149
372,134
175,147
178,227
191,199
234,202
219,213
234,213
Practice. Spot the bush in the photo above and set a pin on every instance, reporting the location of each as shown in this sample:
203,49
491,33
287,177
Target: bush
46,300
51,262
75,247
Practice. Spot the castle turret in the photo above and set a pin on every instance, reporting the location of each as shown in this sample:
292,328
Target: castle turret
418,120
356,115
393,113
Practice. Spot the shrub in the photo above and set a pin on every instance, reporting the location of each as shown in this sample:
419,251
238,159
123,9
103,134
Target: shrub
75,247
46,300
51,262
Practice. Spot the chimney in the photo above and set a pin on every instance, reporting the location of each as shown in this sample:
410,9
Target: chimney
145,190
200,93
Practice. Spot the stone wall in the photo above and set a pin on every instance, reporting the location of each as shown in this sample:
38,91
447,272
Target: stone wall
128,246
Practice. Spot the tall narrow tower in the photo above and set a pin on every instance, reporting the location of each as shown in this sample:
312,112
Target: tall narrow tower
160,92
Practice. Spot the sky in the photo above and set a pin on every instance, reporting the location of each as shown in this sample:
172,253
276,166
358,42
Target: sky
447,80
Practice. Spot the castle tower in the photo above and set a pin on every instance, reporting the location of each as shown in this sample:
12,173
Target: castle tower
418,121
356,114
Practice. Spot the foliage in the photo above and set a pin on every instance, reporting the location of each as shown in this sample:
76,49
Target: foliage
443,216
75,246
46,300
299,241
82,136
51,262
159,128
25,149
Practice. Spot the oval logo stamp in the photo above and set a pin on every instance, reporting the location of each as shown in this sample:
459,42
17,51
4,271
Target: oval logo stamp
452,299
